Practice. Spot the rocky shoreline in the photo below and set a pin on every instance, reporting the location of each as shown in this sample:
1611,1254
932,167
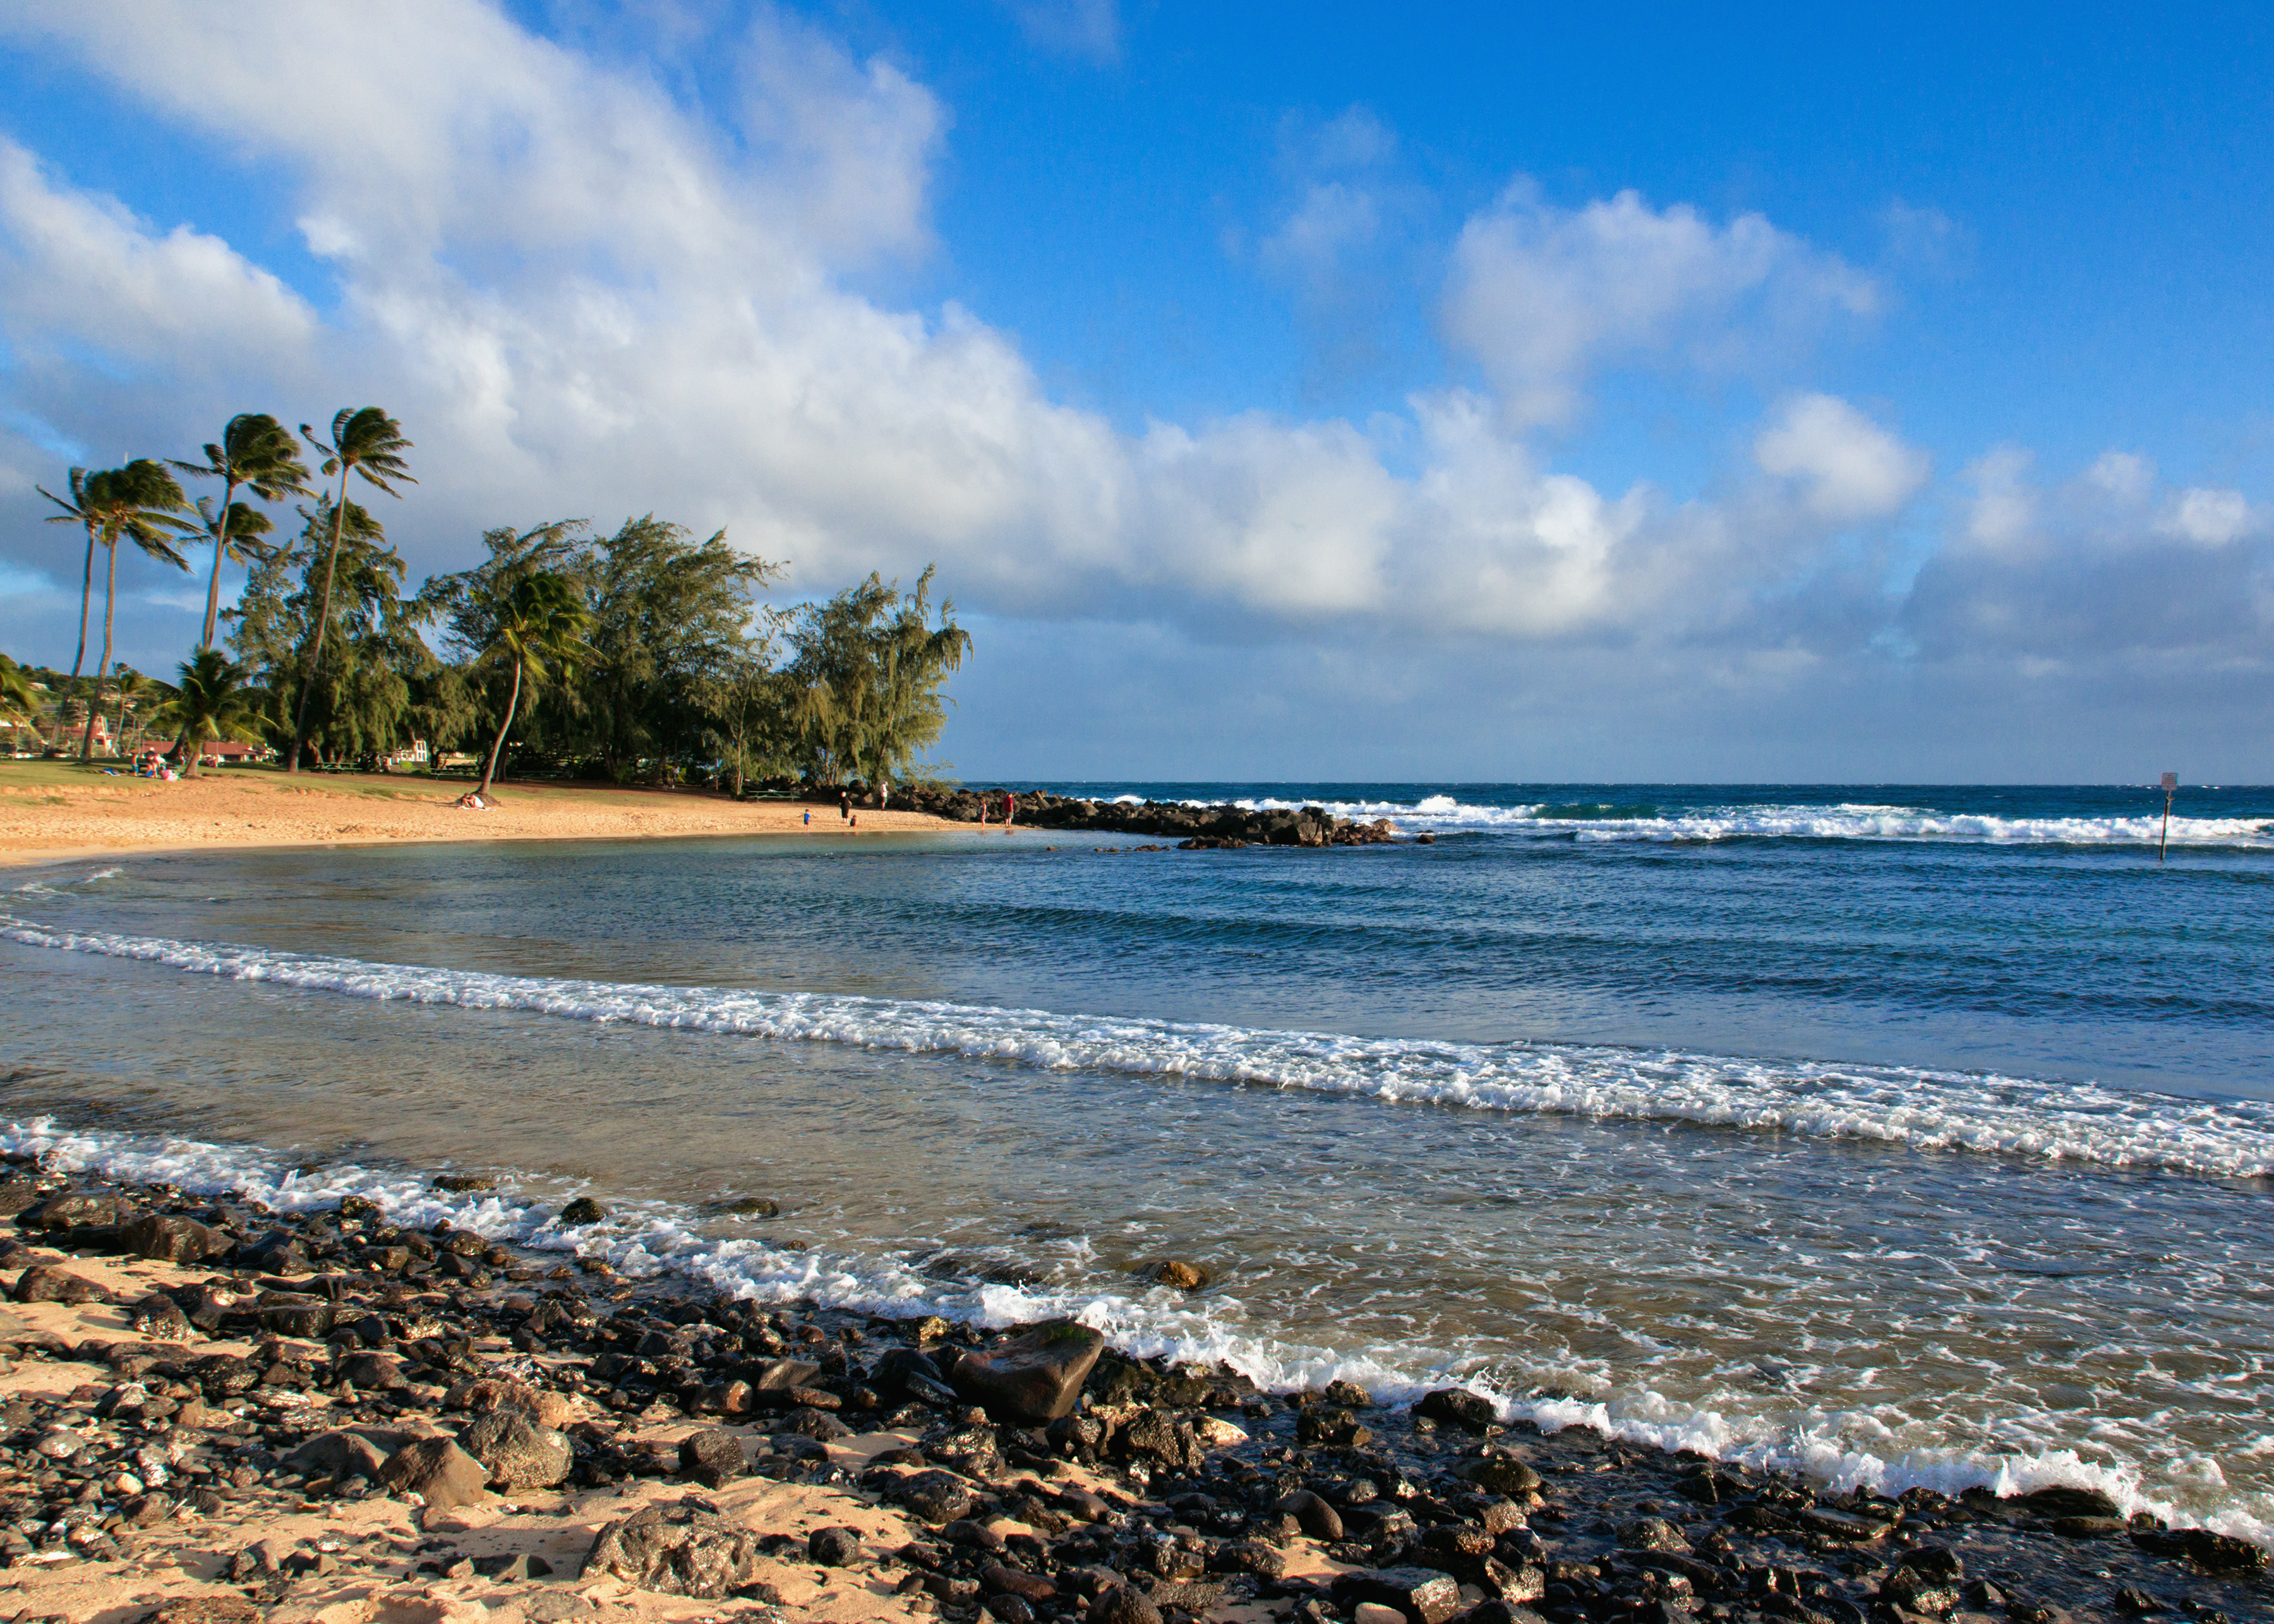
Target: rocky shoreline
211,1413
1221,827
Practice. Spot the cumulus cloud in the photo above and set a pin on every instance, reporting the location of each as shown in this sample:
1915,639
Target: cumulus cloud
2109,562
582,298
1844,467
75,269
1542,296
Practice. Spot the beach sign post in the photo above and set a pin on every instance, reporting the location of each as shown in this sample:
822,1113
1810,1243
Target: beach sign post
2170,783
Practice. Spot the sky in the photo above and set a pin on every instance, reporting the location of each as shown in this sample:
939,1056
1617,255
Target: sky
1342,393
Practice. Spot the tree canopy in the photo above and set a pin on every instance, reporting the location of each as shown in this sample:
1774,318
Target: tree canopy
647,654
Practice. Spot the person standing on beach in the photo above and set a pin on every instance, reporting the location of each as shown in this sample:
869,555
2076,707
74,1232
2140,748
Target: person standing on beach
809,817
844,804
1010,809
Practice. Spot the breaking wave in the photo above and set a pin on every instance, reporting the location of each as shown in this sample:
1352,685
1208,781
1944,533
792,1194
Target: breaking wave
1914,1107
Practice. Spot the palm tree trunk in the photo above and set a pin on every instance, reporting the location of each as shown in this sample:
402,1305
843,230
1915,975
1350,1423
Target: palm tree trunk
221,548
94,705
323,624
85,597
489,768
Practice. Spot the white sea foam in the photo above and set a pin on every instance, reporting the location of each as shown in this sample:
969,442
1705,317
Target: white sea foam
657,1239
1927,1110
1851,821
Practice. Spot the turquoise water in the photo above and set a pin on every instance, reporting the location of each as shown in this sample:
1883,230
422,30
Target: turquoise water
1908,1134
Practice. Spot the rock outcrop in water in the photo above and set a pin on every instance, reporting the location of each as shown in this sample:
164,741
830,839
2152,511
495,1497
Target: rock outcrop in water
1198,828
329,1417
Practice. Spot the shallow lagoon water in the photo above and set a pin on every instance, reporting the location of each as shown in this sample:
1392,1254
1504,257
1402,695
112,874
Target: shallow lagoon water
1911,1135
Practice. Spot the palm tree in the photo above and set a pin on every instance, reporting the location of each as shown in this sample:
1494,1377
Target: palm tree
141,503
537,624
211,701
81,510
367,442
129,685
259,453
19,701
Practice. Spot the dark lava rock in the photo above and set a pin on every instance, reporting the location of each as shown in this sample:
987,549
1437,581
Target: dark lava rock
1120,1604
1033,1378
817,1425
997,1579
750,1206
776,1376
1422,1594
1459,1406
834,1547
1319,1519
518,1453
1335,1429
1157,1438
277,1253
1502,1474
583,1209
934,1497
342,1455
1651,1534
703,1558
74,1210
904,1372
371,1372
1249,1556
963,1531
712,1457
293,1313
2215,1553
40,1283
171,1240
1925,1581
437,1470
2065,1501
463,1183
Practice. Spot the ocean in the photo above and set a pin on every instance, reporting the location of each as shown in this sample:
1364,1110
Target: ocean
1904,1135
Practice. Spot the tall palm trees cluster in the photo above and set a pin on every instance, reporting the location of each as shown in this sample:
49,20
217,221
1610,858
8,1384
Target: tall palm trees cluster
144,503
642,654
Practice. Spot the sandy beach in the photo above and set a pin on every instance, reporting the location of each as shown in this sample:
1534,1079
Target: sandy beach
50,811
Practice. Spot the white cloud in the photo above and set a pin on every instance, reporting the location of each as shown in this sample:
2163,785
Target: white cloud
580,301
2208,518
1846,467
2106,564
1542,296
80,270
584,299
2003,515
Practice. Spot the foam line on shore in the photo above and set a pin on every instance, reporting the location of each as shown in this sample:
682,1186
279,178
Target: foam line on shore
1846,821
658,1239
1924,1109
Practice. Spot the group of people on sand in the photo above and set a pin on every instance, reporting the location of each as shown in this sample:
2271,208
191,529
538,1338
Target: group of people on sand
852,819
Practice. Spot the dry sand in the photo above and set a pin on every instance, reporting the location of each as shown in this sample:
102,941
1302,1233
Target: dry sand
48,813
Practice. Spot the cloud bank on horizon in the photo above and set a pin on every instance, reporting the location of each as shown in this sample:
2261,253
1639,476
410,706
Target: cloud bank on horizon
583,294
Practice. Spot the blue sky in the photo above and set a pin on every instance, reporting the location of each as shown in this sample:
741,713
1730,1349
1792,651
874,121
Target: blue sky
1283,394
